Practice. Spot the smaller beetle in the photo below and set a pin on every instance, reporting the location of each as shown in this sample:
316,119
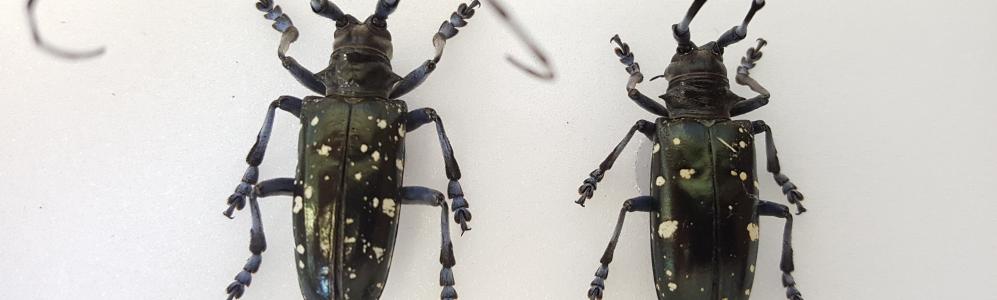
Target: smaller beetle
704,202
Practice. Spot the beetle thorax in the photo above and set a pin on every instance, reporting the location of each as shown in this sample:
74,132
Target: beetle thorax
697,84
361,60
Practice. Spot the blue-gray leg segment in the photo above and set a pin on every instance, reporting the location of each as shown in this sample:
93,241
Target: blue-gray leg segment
744,78
419,117
789,189
283,24
447,30
257,240
589,186
255,157
643,203
627,58
37,37
766,208
425,196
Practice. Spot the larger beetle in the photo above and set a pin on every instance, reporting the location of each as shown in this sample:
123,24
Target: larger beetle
348,188
704,206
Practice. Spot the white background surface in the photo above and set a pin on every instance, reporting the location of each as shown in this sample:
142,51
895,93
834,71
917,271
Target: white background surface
114,171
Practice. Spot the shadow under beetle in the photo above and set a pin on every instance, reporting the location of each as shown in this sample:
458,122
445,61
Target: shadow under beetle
348,188
704,206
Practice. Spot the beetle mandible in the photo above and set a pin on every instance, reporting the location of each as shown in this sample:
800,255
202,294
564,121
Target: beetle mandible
348,188
704,206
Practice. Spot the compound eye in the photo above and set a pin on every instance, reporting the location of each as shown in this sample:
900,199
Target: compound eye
379,23
342,23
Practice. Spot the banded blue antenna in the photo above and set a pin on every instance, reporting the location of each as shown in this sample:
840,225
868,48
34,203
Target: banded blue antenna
327,9
739,32
681,30
385,8
36,35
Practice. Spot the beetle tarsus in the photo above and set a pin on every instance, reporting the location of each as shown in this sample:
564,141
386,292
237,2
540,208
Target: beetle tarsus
587,190
642,203
633,68
786,265
599,283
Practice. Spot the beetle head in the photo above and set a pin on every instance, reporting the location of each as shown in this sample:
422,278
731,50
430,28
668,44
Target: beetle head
361,57
370,36
697,78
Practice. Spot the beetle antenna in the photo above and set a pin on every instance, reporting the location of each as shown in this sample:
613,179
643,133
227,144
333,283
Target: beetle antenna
739,32
547,72
681,30
385,8
33,24
328,9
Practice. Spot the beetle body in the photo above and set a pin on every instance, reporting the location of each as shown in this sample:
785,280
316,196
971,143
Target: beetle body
346,216
704,203
348,189
704,233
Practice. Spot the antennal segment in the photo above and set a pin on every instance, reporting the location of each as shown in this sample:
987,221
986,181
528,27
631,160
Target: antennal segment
327,9
681,30
547,72
385,8
739,32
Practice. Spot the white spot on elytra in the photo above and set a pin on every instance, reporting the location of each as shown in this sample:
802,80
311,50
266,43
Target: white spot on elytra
751,268
672,286
400,164
363,148
370,117
349,220
733,173
667,228
753,231
742,144
677,141
298,205
401,131
382,124
378,252
353,275
657,147
301,264
388,207
324,150
660,181
308,191
314,121
358,176
668,272
326,178
376,156
687,173
376,202
350,240
300,249
747,292
744,176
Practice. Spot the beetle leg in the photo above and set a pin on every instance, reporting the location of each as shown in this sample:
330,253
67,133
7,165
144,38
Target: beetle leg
289,32
419,117
766,208
447,30
744,78
238,199
589,186
426,196
627,58
257,240
643,203
788,188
